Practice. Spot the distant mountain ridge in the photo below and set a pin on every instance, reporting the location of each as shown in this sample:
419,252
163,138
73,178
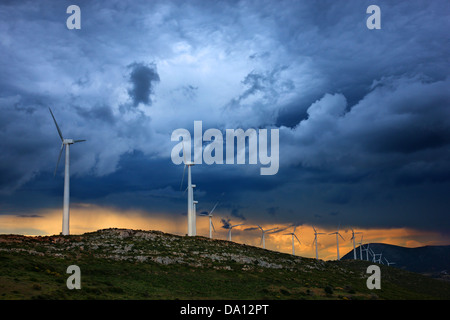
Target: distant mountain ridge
427,260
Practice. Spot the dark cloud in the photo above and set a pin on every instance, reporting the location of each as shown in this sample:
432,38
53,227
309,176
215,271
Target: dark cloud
225,223
142,78
97,113
236,212
189,91
29,216
393,126
272,210
363,115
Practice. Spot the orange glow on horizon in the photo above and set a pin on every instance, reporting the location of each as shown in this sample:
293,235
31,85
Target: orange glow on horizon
87,218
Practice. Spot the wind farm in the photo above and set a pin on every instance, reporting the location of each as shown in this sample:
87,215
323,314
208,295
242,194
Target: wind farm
188,191
200,250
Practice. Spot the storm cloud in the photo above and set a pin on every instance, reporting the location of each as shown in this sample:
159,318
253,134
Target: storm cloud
143,78
362,114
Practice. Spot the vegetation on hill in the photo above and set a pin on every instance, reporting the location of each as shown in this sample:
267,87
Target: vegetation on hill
136,264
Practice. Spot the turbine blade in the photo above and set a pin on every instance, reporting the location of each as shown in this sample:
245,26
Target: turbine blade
184,154
75,141
297,239
57,127
59,158
212,224
214,207
341,236
182,178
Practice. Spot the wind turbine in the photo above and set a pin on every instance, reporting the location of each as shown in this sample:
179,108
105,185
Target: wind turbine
374,256
353,238
388,263
229,230
263,239
190,190
367,251
337,241
211,225
360,248
65,144
379,258
315,240
293,243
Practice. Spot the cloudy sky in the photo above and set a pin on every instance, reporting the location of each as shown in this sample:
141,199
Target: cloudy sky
363,115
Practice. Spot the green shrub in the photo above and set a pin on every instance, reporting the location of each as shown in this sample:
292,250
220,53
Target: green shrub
328,290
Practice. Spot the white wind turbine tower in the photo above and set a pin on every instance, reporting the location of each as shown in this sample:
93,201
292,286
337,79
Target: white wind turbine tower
372,254
263,239
194,216
315,240
65,144
229,230
360,248
293,243
353,238
190,190
367,251
337,242
211,225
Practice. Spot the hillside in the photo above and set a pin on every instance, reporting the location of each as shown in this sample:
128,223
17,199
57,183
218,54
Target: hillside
136,264
430,260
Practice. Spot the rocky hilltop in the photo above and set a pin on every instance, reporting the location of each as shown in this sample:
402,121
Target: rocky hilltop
151,246
138,264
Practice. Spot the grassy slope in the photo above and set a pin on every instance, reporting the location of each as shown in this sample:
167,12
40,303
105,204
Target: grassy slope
127,264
